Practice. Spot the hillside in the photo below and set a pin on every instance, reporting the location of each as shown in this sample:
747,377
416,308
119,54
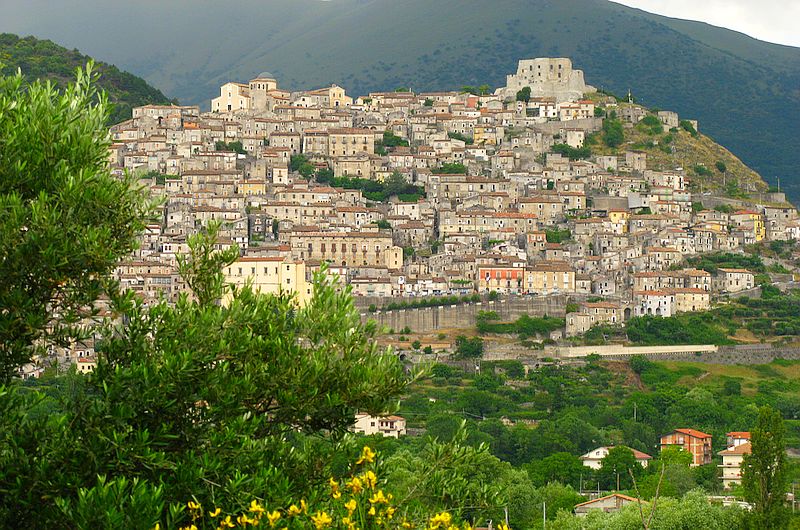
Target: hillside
43,59
743,91
709,166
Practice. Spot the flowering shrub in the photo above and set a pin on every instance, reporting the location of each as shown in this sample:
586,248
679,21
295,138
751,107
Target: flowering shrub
357,502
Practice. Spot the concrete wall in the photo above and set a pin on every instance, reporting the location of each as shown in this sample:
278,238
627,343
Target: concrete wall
429,319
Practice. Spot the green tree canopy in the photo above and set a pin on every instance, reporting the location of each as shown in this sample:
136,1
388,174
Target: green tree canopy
65,221
764,471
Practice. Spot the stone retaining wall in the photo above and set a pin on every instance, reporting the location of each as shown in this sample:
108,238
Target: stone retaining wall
430,319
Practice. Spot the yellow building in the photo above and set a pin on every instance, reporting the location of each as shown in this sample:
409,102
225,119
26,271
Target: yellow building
550,277
232,97
271,275
619,217
350,141
253,187
348,249
750,220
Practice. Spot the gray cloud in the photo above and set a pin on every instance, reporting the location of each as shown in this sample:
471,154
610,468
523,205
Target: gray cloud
769,20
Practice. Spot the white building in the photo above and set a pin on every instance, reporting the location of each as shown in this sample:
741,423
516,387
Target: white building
392,426
731,466
593,458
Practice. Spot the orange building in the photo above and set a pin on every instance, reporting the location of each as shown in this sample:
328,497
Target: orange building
695,442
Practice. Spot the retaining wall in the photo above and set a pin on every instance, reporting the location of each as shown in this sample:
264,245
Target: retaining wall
429,319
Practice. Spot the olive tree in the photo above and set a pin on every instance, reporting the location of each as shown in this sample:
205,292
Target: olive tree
65,220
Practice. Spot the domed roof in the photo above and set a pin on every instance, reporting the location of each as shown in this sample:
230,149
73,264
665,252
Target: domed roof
265,75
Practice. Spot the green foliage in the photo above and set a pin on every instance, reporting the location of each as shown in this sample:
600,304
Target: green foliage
236,147
613,133
392,140
383,224
615,468
726,260
702,170
432,302
764,472
395,185
651,125
573,153
469,348
556,235
451,169
196,400
525,326
687,126
457,136
45,60
721,167
691,511
724,208
524,94
558,467
66,220
683,328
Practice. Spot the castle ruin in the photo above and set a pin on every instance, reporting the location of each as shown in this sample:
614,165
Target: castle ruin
547,77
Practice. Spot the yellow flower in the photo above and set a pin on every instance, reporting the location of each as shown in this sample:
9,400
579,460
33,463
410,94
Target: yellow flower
215,512
193,505
379,498
351,506
226,523
355,485
389,512
405,524
349,523
503,526
321,520
157,526
256,508
441,520
244,520
273,517
370,479
334,485
371,511
336,494
294,510
367,455
303,505
190,527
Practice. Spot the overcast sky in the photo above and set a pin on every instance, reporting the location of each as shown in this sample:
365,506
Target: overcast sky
770,20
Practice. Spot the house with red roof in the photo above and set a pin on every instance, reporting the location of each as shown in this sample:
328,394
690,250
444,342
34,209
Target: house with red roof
733,457
695,442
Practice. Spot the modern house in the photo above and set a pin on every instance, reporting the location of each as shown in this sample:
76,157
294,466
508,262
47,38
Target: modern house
593,458
697,443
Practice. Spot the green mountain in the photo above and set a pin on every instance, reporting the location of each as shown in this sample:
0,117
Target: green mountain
43,59
744,92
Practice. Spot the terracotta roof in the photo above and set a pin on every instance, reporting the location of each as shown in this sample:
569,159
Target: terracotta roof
739,434
741,449
693,432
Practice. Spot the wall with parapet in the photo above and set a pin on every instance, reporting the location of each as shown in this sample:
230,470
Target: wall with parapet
429,319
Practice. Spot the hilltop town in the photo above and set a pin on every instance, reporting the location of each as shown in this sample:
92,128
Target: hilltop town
406,195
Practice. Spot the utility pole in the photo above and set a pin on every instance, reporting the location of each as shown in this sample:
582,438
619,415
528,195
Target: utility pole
634,411
544,515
